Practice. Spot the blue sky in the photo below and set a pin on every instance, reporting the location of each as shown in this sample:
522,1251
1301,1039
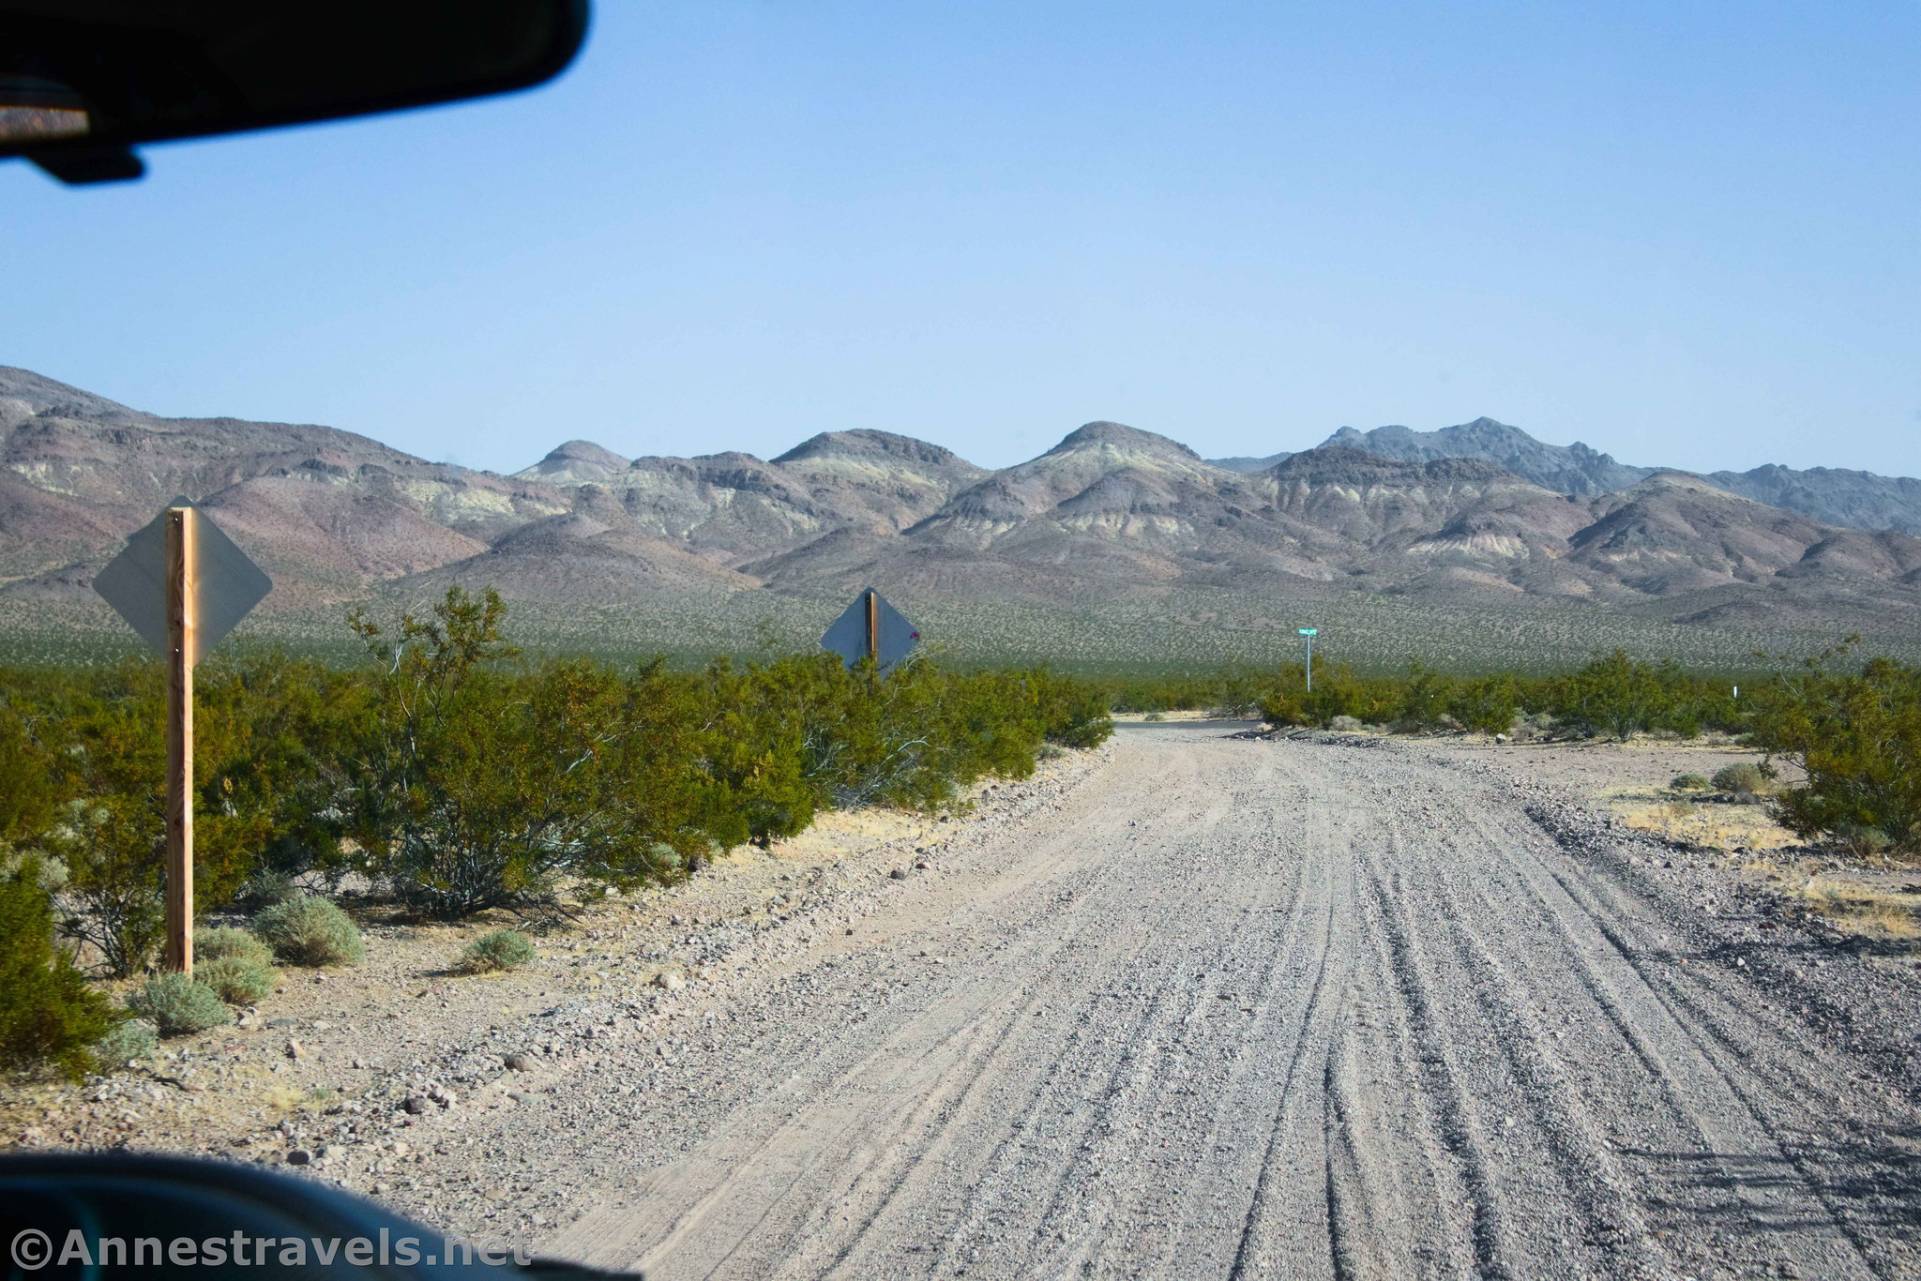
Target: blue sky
1686,234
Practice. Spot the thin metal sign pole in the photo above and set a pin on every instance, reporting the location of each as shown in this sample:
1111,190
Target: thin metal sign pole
181,627
1309,638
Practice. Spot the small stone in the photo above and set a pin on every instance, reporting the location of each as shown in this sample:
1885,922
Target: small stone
519,1062
898,874
294,1050
299,1156
669,980
415,1104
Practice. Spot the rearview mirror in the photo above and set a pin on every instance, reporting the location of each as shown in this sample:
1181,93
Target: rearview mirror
83,81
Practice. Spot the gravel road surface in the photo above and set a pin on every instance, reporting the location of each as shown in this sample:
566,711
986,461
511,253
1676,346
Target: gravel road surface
1240,1008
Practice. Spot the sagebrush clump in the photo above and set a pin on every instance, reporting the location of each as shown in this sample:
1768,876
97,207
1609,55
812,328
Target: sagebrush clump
310,930
178,1005
239,980
225,941
1743,778
499,950
1690,783
127,1041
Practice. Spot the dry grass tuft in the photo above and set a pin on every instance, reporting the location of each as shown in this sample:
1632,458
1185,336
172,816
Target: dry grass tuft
1888,913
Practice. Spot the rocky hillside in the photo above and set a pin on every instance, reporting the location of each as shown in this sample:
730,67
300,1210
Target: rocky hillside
1110,515
1852,499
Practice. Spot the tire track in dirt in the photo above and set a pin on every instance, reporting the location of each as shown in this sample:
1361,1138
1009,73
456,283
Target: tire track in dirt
1243,1009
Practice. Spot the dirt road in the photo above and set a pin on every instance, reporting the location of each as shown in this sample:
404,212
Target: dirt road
1239,1008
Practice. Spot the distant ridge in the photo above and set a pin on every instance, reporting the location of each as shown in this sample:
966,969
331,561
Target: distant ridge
1853,499
1111,517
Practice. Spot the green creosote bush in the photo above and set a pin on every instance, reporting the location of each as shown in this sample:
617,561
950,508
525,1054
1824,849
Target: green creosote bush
238,979
1854,730
494,952
178,1005
474,781
1486,704
90,773
49,1014
309,930
1690,783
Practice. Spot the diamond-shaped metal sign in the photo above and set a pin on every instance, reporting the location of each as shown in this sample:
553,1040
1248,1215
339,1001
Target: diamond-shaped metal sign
227,584
895,636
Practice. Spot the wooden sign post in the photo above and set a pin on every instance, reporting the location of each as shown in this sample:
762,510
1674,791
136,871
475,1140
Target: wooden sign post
873,625
180,659
182,584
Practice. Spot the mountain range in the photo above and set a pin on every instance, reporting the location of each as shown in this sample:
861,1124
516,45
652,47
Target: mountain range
1480,515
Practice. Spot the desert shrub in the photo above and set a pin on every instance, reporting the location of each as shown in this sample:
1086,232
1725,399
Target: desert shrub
1855,732
265,888
225,941
1073,712
1426,699
1345,724
1862,842
1338,691
92,740
111,839
472,784
499,950
28,797
239,980
1614,694
1690,783
785,739
1620,696
309,930
126,1041
234,963
1486,704
49,1015
178,1005
1743,778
